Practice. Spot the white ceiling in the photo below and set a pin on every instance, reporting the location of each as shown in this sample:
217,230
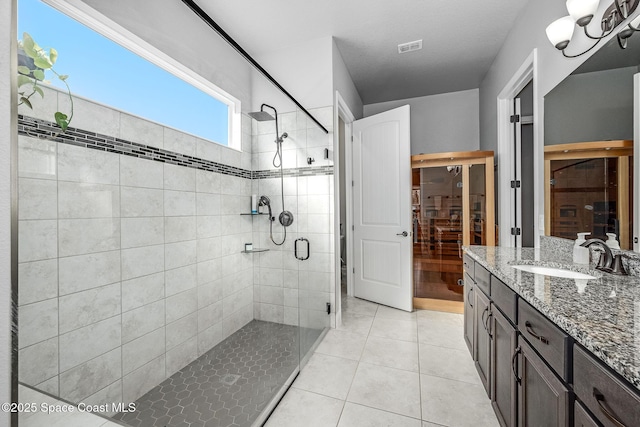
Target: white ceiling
460,38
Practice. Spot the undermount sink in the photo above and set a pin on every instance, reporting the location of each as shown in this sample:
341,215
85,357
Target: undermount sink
556,272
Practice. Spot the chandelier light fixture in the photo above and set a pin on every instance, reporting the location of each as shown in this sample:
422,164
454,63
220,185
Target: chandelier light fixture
581,13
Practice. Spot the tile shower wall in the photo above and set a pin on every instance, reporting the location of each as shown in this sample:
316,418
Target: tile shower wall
129,268
287,290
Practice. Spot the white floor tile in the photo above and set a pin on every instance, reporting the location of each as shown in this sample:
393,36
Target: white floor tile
303,408
354,305
391,353
405,330
451,363
342,344
388,389
356,323
327,375
394,313
455,403
358,416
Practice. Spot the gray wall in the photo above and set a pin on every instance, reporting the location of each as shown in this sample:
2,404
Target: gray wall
343,83
7,138
590,107
439,123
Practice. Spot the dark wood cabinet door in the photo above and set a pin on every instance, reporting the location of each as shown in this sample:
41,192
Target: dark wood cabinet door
581,417
504,393
543,400
468,312
482,340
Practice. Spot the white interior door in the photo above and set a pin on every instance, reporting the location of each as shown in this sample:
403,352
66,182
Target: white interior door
382,242
636,161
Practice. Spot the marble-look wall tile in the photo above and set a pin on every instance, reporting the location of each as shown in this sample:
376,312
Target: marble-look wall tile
142,350
179,229
138,232
208,150
81,345
142,320
106,396
143,379
180,279
38,240
80,200
38,199
179,203
207,204
179,142
208,226
38,362
181,330
208,248
142,291
209,338
38,322
87,307
141,202
142,261
38,281
79,164
209,293
180,254
141,131
136,172
82,272
209,316
37,158
207,182
84,236
181,305
180,356
103,370
90,115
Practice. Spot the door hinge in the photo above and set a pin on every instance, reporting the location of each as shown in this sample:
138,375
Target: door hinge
552,181
351,138
328,308
353,228
515,231
515,118
515,184
354,270
353,183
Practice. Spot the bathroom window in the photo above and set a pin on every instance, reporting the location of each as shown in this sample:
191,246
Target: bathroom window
138,79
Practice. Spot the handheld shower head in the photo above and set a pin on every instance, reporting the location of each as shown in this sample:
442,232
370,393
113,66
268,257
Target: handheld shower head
264,201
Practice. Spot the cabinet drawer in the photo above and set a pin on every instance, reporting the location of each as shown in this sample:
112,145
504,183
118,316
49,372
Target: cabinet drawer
546,338
504,298
582,418
482,278
606,396
468,265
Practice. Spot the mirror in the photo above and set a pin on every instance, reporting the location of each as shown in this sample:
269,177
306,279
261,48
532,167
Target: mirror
593,110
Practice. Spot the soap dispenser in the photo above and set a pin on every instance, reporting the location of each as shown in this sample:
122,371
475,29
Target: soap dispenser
612,241
580,253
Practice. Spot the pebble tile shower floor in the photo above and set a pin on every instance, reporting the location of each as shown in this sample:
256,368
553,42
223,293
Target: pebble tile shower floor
229,385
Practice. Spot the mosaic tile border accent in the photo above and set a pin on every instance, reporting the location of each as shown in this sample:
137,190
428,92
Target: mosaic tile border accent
38,128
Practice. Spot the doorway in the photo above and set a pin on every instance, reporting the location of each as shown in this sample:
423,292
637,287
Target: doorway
452,202
523,183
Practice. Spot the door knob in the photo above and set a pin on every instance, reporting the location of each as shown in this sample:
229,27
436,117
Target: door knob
403,234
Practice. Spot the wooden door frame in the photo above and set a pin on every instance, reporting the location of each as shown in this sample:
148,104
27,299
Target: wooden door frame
620,149
465,159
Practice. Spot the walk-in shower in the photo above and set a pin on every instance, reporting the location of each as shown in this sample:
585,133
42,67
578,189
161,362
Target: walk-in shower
285,217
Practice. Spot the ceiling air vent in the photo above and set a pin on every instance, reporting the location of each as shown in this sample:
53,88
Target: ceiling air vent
410,47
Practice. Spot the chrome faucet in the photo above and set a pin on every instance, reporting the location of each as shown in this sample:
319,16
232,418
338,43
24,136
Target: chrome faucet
608,262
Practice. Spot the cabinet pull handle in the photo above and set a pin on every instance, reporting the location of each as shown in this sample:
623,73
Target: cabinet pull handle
533,334
514,369
487,325
484,322
469,298
605,409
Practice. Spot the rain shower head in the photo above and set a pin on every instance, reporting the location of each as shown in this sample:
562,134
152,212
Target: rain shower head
263,116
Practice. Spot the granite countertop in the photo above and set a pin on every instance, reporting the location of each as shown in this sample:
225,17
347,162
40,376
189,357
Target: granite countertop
602,314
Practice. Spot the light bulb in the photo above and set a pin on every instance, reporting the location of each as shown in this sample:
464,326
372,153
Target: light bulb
560,31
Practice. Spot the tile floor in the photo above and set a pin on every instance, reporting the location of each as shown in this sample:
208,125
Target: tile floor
386,367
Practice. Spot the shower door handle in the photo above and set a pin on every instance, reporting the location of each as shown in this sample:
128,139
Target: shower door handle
295,249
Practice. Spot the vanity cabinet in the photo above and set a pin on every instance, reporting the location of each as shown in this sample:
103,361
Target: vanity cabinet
468,313
482,341
610,401
543,399
504,338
